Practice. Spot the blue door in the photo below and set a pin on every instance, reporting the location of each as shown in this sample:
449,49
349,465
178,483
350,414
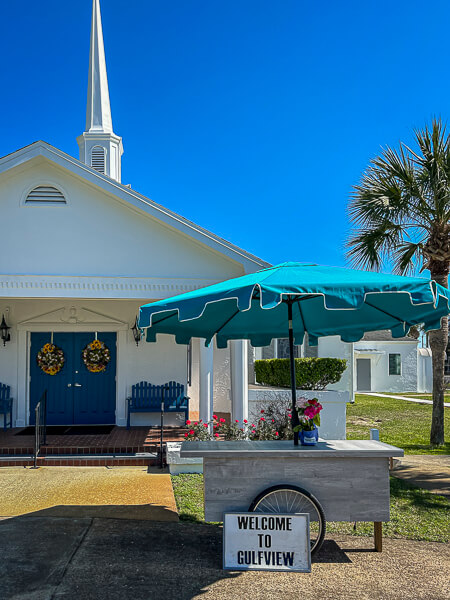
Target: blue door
75,396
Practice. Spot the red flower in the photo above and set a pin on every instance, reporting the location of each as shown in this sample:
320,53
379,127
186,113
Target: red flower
222,421
273,420
262,412
195,423
186,434
214,426
188,422
216,435
236,421
205,424
262,419
215,417
290,416
245,421
253,424
276,433
192,432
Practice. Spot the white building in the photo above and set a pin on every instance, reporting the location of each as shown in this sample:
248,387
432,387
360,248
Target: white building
81,252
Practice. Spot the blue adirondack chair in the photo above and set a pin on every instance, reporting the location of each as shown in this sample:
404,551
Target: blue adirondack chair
6,403
146,397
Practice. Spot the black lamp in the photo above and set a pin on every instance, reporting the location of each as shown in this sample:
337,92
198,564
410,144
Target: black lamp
136,333
4,331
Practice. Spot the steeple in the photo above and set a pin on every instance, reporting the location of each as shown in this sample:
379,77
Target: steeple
100,148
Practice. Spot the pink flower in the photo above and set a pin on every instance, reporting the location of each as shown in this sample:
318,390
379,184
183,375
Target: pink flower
236,421
205,424
192,432
310,412
222,421
186,434
262,419
195,423
216,435
273,420
276,433
188,422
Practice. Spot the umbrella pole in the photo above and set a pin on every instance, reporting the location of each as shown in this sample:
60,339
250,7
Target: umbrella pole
295,420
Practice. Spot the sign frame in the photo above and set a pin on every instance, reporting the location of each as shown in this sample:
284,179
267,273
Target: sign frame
303,516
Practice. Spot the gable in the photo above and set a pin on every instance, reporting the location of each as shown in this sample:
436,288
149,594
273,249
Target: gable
95,233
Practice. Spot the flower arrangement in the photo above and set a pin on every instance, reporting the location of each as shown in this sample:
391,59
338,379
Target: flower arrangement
308,413
50,359
264,429
96,356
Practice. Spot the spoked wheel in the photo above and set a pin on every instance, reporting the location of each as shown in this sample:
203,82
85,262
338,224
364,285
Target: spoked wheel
292,499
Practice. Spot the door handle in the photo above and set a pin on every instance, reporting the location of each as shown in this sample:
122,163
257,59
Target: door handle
77,385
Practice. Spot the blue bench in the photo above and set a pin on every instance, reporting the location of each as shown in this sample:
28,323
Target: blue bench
146,397
6,403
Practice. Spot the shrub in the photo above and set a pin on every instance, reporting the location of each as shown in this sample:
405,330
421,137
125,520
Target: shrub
310,373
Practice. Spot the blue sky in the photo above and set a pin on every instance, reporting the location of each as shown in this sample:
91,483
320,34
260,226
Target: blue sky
253,118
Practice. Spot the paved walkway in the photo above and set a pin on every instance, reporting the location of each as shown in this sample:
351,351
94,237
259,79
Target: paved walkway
109,559
407,398
428,471
119,493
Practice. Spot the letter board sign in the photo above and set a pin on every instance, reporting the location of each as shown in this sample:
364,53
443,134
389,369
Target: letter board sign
266,542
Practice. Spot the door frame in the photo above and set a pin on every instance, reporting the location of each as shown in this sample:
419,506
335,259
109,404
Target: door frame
24,356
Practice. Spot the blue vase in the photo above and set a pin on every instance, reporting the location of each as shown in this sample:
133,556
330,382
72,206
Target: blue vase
309,438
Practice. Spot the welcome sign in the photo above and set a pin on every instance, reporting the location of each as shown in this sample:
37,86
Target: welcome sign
266,542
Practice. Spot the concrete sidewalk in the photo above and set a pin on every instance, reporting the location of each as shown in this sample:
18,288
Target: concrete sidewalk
428,471
109,559
407,398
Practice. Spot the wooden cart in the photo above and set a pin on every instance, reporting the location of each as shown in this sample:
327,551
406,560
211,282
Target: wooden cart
336,480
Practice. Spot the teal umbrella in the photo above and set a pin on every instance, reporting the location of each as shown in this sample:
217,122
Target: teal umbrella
295,298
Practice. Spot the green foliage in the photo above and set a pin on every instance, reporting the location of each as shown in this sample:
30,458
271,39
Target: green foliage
310,373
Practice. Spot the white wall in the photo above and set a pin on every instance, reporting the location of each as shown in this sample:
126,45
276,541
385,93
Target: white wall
380,379
333,347
157,363
424,371
94,234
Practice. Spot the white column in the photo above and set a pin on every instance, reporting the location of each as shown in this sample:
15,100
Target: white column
239,379
206,381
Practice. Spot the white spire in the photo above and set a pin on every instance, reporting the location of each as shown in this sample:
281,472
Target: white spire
98,114
100,148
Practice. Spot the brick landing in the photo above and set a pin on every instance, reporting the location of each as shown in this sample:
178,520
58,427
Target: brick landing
120,447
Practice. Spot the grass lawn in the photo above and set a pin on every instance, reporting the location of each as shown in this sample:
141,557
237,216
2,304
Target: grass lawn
415,513
401,423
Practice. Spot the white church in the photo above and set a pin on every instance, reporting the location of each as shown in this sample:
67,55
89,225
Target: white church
81,252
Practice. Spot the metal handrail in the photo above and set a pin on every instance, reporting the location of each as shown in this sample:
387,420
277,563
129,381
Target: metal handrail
40,427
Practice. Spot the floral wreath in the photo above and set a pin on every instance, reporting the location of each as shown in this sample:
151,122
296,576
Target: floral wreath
50,359
96,356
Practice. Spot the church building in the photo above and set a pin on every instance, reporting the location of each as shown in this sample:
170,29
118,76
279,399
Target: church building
81,253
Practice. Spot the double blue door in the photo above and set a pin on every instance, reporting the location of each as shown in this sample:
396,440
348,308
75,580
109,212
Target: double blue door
75,396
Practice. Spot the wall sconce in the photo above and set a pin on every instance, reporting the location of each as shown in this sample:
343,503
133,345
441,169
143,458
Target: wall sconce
4,331
136,333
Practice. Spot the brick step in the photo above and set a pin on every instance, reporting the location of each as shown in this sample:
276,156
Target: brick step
80,450
81,460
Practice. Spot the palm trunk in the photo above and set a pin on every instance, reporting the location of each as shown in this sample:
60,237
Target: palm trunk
438,345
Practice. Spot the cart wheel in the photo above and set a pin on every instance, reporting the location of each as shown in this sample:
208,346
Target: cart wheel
293,499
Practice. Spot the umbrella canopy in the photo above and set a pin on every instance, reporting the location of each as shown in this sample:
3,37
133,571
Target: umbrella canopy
324,301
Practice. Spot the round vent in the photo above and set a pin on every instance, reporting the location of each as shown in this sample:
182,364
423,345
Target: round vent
98,159
45,194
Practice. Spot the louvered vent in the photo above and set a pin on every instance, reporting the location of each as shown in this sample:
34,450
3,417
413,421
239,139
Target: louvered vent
98,159
45,194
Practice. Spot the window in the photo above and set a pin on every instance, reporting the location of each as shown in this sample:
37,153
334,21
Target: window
98,159
395,364
45,194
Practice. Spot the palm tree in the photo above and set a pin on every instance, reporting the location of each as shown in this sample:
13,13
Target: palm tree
401,213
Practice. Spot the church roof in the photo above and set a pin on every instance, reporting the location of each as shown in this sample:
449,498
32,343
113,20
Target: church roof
43,150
